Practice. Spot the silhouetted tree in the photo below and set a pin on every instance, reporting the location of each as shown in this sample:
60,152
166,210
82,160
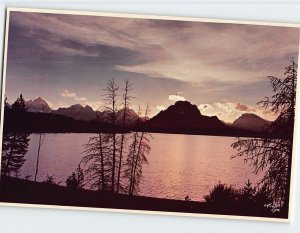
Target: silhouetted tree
131,157
41,141
14,144
137,157
102,150
222,196
111,111
125,107
50,180
14,148
105,153
98,162
76,179
6,104
247,200
19,105
273,155
248,192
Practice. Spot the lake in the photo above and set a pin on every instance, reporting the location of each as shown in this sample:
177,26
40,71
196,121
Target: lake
179,165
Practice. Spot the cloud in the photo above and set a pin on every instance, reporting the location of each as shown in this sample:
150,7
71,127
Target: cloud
57,47
82,100
216,61
241,107
269,112
176,98
205,107
160,107
229,111
66,93
87,30
202,51
96,105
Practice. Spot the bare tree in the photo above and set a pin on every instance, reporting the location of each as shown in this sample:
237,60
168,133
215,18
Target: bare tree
97,162
101,150
125,114
273,156
137,157
131,157
41,141
111,97
106,160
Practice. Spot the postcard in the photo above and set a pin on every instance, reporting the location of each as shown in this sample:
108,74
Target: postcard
148,114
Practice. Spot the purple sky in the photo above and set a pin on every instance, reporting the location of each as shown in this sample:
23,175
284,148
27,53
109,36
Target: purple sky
222,68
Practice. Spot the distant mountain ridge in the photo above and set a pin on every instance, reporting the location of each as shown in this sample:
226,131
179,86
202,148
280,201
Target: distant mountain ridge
181,115
250,121
131,117
179,118
77,112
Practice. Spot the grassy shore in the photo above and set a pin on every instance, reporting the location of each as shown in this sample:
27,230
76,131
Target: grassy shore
14,190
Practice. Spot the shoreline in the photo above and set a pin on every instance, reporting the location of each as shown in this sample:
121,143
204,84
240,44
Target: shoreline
15,190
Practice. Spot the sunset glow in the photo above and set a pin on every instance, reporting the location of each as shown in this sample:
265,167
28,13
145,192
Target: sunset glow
68,59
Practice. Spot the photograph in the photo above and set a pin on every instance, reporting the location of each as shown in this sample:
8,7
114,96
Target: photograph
148,114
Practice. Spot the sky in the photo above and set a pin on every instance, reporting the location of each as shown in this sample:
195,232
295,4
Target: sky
221,68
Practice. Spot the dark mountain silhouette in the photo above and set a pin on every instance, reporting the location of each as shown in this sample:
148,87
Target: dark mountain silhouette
39,122
77,112
180,118
37,105
184,115
250,121
131,117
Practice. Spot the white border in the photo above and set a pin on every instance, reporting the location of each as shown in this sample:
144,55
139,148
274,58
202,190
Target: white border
138,16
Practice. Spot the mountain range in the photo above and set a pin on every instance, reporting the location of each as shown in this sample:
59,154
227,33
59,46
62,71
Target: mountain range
181,115
79,112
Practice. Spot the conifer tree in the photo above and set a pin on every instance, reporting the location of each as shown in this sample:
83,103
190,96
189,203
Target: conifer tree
14,144
273,156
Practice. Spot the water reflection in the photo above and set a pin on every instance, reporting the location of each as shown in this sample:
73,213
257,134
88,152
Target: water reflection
179,165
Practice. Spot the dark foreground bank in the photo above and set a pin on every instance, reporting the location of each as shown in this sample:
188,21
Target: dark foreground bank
14,190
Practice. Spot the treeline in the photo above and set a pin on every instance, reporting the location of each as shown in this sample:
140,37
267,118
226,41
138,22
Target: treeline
14,143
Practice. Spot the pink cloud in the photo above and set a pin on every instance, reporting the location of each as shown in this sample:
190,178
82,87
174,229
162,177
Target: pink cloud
241,107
